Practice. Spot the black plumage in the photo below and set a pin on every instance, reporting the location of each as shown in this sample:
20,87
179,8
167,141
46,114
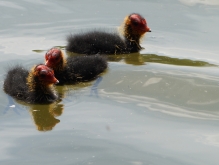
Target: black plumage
33,86
74,69
96,42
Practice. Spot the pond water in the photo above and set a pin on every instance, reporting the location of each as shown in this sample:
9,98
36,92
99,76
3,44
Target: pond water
159,106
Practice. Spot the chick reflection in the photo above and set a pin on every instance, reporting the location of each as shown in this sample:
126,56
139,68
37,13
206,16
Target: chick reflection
133,58
142,59
44,115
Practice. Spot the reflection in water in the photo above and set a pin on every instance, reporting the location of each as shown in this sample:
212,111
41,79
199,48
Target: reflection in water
12,105
141,59
44,115
94,90
65,90
173,61
134,58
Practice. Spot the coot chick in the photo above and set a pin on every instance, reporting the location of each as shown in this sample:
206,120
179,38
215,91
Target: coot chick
35,86
100,42
74,69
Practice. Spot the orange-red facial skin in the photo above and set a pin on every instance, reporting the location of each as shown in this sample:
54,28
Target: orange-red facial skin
41,76
138,24
45,74
53,57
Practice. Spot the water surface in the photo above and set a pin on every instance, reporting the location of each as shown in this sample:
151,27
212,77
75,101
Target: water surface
159,106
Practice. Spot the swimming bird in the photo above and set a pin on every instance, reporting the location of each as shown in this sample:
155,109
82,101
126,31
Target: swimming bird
101,42
34,86
76,69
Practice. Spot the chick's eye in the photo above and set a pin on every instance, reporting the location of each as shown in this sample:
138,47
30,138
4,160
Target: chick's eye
55,56
43,73
135,23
